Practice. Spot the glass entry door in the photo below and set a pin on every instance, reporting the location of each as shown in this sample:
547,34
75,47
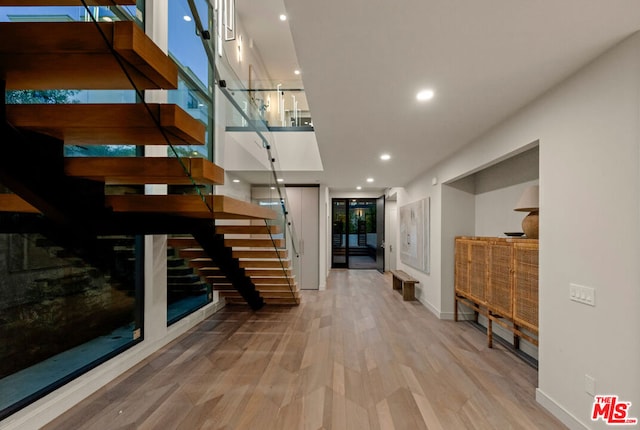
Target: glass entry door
339,233
356,233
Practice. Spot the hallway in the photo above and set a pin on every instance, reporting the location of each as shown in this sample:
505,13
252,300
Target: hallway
352,357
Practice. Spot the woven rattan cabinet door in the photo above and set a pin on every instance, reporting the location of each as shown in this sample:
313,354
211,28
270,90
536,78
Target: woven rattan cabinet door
478,258
525,285
500,287
462,267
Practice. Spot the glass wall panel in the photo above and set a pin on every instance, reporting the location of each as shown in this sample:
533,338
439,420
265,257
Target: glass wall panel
338,233
70,296
354,235
187,290
64,309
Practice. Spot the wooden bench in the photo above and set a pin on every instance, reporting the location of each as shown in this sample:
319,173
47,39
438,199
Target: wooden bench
402,281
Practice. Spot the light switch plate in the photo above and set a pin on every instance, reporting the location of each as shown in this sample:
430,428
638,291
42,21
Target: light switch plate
582,294
590,384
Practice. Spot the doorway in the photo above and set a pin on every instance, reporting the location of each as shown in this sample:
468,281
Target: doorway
357,236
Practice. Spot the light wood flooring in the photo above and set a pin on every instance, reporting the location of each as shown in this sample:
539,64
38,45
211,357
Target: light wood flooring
352,357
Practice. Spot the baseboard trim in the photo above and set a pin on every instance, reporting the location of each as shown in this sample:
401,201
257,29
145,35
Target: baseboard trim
559,412
429,307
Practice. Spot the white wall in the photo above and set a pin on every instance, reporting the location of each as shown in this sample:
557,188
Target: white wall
458,210
588,130
494,210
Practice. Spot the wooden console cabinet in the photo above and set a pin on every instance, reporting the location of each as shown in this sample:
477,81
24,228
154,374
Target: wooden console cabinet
498,278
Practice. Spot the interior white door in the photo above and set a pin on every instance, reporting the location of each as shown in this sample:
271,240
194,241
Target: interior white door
304,211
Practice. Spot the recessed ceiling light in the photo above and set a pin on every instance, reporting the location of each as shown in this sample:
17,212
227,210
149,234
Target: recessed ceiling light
187,18
297,72
107,18
358,187
283,17
425,95
236,180
385,157
280,180
369,179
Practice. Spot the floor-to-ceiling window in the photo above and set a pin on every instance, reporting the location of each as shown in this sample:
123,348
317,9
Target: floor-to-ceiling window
69,299
186,290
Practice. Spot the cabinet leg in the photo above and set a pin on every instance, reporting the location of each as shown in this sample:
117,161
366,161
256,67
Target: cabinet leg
516,338
489,331
455,308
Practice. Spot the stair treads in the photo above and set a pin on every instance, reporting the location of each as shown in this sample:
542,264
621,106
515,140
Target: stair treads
268,272
66,2
144,170
248,229
254,243
110,124
264,264
281,253
191,206
184,244
74,55
14,203
272,281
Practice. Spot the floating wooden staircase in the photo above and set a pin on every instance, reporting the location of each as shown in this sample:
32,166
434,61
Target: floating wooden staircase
74,55
109,124
269,269
70,192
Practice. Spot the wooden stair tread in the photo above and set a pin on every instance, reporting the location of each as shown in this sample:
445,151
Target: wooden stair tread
264,264
264,294
144,170
109,124
215,272
182,205
276,282
75,56
192,253
254,243
261,255
191,206
192,243
267,272
66,2
248,229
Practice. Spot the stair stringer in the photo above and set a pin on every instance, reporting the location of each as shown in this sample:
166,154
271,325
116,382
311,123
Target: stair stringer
213,245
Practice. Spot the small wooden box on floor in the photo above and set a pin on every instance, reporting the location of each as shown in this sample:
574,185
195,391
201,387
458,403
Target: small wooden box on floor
498,278
402,281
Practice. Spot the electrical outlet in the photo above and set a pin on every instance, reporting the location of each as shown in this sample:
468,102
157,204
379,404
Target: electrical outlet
590,385
582,294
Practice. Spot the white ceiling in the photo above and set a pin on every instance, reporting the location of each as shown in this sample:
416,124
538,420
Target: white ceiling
364,60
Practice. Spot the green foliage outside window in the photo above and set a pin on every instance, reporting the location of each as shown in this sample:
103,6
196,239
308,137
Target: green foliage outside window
40,96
